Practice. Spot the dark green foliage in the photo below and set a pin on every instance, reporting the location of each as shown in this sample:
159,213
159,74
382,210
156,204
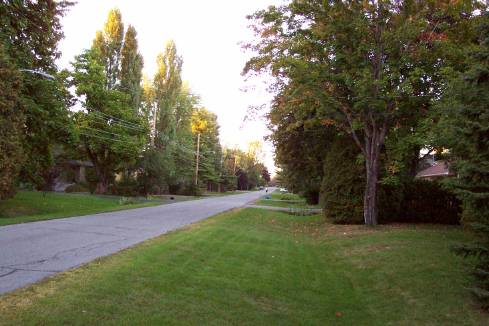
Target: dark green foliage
111,133
125,187
131,69
465,127
190,189
154,171
29,36
311,196
480,250
411,201
418,201
368,67
12,119
343,183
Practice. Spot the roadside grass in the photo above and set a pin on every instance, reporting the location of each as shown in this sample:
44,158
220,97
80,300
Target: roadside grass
284,203
220,194
277,195
29,206
260,267
286,200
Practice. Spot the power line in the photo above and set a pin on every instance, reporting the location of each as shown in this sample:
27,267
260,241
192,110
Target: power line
101,137
118,120
116,123
103,131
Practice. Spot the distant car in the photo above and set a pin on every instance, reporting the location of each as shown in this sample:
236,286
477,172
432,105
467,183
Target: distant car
261,188
283,190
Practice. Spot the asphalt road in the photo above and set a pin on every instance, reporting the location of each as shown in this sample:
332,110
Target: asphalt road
32,251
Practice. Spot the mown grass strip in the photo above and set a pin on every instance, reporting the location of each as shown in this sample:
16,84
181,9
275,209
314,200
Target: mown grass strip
262,267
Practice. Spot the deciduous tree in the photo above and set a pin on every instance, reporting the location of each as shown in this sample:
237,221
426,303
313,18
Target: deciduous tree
131,69
29,35
362,61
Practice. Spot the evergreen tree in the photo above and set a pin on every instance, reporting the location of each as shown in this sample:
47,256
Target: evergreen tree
205,123
465,128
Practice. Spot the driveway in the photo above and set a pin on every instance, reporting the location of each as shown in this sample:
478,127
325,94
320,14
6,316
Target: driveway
32,251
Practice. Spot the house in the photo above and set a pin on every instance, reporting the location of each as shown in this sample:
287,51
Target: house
71,172
436,170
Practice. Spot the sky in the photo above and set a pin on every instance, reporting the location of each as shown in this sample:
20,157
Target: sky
207,35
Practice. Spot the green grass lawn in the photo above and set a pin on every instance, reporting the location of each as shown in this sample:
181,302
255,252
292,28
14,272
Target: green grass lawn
220,194
287,200
284,203
258,267
277,195
29,206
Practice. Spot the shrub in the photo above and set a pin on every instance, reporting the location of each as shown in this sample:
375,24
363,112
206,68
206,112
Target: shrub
127,201
190,189
126,187
418,201
343,184
311,196
77,187
91,177
287,197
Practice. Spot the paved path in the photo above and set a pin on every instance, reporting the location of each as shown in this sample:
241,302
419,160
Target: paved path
32,251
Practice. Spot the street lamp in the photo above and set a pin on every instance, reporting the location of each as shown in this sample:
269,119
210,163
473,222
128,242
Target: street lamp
39,72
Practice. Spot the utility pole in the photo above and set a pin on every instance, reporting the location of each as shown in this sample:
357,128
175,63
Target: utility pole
197,160
154,127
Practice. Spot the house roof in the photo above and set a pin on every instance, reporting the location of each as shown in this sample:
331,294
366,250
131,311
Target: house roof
438,169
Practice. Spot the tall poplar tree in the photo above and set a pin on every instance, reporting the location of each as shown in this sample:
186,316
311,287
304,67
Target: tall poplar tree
131,68
167,85
108,43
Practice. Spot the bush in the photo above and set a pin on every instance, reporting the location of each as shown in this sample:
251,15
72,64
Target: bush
127,201
287,197
126,187
418,201
77,187
311,196
91,177
343,184
190,189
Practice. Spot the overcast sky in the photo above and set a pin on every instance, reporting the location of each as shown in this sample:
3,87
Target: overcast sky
206,34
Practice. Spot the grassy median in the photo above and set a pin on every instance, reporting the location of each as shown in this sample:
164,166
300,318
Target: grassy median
259,267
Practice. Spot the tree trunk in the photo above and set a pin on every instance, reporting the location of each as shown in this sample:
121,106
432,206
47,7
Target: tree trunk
102,183
370,196
372,149
101,188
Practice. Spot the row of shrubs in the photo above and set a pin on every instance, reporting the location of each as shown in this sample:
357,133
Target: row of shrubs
131,188
418,201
